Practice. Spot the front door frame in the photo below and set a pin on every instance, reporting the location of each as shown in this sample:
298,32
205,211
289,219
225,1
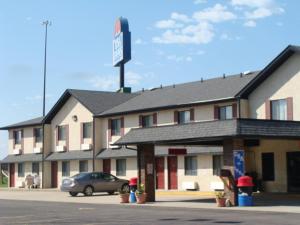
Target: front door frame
287,171
12,174
160,176
172,186
54,171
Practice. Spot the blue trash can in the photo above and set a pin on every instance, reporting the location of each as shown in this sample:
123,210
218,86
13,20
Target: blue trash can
245,200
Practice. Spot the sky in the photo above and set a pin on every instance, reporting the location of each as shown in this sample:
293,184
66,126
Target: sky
173,41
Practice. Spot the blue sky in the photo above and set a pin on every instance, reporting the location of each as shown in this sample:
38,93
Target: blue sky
172,42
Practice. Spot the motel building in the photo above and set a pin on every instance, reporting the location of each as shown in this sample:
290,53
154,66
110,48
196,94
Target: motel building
177,137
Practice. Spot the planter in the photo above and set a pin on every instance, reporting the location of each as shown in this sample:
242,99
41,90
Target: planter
141,198
124,198
221,202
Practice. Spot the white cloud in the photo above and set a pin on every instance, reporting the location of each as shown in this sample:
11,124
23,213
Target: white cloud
180,17
200,33
196,2
259,8
215,14
250,23
166,24
139,41
179,58
133,78
227,37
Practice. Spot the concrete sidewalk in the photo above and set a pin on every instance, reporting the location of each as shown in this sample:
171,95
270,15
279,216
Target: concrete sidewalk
267,203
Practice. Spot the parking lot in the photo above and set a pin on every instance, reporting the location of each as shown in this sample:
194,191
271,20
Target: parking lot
37,212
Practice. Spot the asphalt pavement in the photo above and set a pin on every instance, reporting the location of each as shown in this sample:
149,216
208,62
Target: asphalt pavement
36,212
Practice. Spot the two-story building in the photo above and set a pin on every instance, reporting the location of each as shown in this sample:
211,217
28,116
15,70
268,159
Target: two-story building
81,130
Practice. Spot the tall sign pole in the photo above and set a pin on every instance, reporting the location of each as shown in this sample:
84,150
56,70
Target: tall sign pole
46,24
121,49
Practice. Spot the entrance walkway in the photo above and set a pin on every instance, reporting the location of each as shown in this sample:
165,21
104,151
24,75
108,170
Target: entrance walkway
263,202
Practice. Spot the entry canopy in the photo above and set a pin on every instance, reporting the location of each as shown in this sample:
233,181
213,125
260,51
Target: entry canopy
213,132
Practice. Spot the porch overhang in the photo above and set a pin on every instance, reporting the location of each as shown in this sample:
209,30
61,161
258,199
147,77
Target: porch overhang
70,155
212,132
22,158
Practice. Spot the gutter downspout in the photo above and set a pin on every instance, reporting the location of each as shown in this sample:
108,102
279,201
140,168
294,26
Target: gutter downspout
94,144
43,156
239,104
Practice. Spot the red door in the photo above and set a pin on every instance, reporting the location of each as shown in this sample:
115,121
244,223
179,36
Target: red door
12,175
106,165
54,174
172,172
160,172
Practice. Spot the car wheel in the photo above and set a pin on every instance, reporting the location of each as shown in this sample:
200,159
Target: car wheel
110,192
88,191
125,188
73,194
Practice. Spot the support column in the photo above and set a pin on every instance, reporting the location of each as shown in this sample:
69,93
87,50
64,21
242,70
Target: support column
146,165
228,164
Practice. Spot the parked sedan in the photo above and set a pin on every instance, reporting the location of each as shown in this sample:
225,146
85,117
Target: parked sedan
88,183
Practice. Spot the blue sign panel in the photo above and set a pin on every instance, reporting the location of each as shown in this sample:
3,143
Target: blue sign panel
239,163
121,42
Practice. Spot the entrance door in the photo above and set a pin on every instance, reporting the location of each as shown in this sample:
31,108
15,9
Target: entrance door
160,172
11,174
54,174
172,172
106,165
293,171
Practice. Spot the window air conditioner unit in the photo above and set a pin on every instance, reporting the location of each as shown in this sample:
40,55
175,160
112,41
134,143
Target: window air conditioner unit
189,185
17,151
60,148
37,150
86,146
112,146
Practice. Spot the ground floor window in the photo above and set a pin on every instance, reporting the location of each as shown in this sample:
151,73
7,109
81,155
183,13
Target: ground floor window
35,168
190,165
20,169
65,166
217,164
267,160
83,166
121,167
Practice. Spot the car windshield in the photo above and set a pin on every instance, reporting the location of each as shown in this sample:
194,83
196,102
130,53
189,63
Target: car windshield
80,175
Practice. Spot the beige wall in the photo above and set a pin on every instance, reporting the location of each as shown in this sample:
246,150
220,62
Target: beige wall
64,117
28,140
280,148
281,84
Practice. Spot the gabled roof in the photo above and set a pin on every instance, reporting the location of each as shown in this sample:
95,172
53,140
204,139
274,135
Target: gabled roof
95,101
211,90
27,123
268,70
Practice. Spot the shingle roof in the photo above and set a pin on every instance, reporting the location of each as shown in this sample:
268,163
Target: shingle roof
116,153
70,155
32,122
22,158
95,101
212,130
210,90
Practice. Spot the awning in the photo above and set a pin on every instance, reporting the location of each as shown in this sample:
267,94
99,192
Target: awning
129,153
22,158
218,130
70,155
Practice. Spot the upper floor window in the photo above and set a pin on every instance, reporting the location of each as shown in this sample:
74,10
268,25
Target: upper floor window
279,109
87,130
38,134
61,133
116,127
147,121
184,117
18,137
226,112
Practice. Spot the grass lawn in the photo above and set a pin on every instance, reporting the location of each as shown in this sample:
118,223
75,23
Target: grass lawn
3,182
